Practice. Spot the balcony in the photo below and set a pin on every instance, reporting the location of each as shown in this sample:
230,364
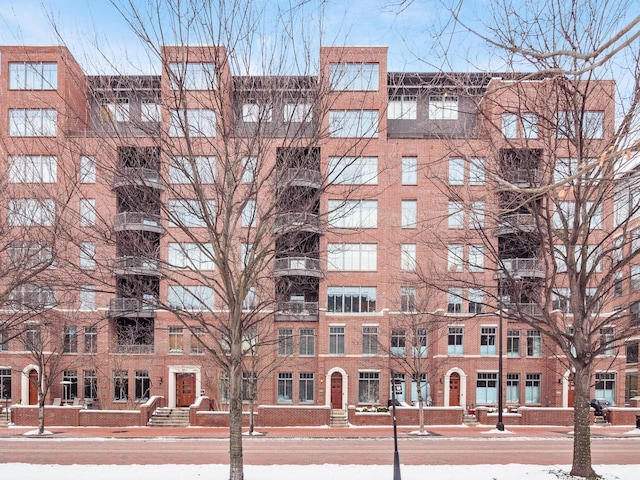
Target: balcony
515,223
297,311
137,221
521,178
530,309
295,222
522,267
136,266
147,177
299,177
133,349
132,307
302,266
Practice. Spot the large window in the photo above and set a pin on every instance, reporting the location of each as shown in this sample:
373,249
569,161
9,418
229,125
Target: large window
249,214
70,339
455,341
306,387
456,215
534,343
87,296
369,387
143,385
196,256
87,169
29,296
443,107
509,125
32,168
33,76
150,111
354,76
454,258
454,300
176,339
35,122
190,297
456,171
298,112
419,348
352,256
307,346
255,113
4,340
196,345
408,299
408,261
87,212
285,387
90,385
476,171
192,170
351,299
192,76
476,258
476,300
370,340
5,383
22,255
115,111
403,107
353,213
513,388
26,212
353,123
606,386
336,340
409,213
513,343
69,384
249,169
91,339
476,214
532,388
87,255
189,213
285,341
592,124
398,342
353,170
192,123
487,388
487,340
120,385
409,170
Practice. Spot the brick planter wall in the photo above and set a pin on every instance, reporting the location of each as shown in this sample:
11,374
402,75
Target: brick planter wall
408,416
293,416
219,419
112,418
485,418
548,416
27,416
623,416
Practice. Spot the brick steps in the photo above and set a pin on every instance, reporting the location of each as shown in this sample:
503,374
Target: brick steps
338,419
170,417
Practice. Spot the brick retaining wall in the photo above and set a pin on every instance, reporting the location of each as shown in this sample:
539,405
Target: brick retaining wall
408,416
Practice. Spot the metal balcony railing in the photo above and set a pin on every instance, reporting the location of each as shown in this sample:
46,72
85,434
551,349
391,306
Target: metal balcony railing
137,176
128,307
305,266
300,177
516,222
523,267
132,265
307,222
523,177
297,311
137,221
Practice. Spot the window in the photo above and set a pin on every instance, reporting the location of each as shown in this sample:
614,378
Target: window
593,212
530,125
87,255
476,300
352,256
69,384
87,169
120,385
87,212
249,214
369,387
456,171
353,213
534,343
593,124
285,341
90,385
456,215
409,213
35,122
91,339
509,125
249,385
408,257
249,301
476,258
454,258
513,388
606,341
476,171
192,170
306,387
285,387
353,123
477,214
532,388
117,111
487,340
561,300
454,341
33,76
32,168
443,107
298,112
23,255
29,296
403,107
255,113
87,298
5,383
249,169
351,299
631,352
454,300
32,337
634,278
513,343
176,344
27,212
408,299
353,76
398,343
150,111
369,340
618,285
419,347
4,340
196,256
487,388
192,76
307,342
196,345
409,170
190,297
606,386
353,170
564,214
191,213
192,123
70,339
143,385
336,340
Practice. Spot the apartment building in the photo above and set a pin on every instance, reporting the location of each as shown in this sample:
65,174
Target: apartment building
393,238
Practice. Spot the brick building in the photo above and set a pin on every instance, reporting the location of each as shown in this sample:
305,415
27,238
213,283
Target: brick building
399,250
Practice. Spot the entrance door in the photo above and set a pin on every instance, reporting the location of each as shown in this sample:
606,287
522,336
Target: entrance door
336,390
454,390
33,387
185,389
571,392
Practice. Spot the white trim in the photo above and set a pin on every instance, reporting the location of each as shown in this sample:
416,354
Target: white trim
345,386
24,387
463,386
171,387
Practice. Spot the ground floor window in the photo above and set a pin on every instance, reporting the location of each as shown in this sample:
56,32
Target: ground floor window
285,387
419,383
90,385
120,385
532,388
487,388
306,387
5,383
69,384
249,386
606,386
369,387
631,386
513,388
224,388
143,385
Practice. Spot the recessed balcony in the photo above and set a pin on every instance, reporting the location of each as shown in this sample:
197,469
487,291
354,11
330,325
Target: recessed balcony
297,311
301,266
531,309
515,223
300,177
522,267
521,178
132,307
131,265
137,221
296,222
147,177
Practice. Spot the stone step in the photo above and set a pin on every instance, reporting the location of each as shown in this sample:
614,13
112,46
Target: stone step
170,417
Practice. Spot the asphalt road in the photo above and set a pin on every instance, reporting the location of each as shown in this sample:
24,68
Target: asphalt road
308,451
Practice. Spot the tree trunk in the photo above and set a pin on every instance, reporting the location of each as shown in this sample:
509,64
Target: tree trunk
236,469
251,424
41,414
581,465
420,408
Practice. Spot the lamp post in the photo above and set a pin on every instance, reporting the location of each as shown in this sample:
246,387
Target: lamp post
500,424
396,457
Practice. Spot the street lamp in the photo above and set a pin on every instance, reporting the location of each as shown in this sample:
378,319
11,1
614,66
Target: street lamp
500,424
395,384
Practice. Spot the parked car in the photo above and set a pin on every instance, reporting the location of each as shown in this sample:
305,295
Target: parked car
600,404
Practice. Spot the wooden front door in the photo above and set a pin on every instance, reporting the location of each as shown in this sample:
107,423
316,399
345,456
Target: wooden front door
336,390
454,390
33,387
185,389
571,392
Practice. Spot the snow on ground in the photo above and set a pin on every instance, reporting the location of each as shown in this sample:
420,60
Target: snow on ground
308,472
